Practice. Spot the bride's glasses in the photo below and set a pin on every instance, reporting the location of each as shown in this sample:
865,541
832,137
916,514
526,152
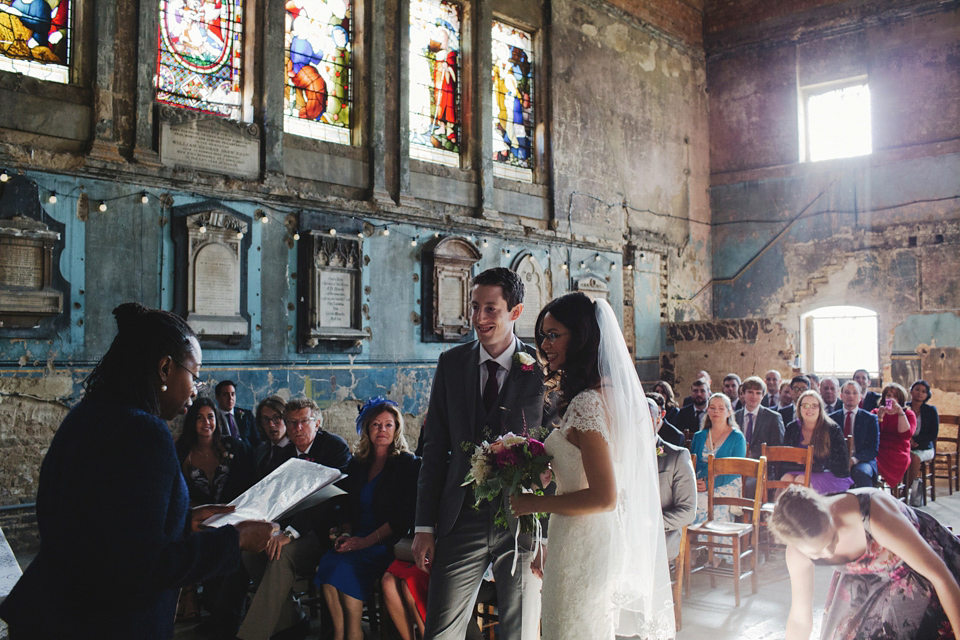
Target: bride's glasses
551,336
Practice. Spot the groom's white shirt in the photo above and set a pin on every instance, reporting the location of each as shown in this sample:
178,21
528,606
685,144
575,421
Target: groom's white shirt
505,360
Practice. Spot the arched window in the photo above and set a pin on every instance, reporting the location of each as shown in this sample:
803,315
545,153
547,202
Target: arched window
435,75
319,47
200,55
36,38
839,340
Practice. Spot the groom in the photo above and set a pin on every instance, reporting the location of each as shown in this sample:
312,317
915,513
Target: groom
480,391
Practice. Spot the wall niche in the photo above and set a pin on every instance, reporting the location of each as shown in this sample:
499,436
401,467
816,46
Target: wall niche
447,265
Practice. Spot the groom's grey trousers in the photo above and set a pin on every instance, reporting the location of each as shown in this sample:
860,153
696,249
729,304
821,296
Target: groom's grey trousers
461,557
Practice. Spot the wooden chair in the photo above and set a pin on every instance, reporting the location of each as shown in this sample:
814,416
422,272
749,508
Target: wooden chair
796,455
948,452
677,568
739,539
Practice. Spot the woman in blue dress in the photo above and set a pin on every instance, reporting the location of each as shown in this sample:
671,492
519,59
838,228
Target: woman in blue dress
382,491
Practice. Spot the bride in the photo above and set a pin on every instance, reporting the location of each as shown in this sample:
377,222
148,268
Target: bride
607,572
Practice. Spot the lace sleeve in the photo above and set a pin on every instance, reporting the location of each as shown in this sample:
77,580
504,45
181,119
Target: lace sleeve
586,413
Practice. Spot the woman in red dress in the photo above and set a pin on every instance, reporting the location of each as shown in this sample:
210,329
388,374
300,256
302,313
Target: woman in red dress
897,424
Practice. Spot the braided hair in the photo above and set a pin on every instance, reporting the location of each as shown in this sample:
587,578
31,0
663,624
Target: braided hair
128,371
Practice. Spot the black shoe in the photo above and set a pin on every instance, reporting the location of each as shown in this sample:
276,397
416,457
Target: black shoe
299,631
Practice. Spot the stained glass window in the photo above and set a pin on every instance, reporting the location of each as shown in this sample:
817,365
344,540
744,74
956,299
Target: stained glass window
435,69
35,38
200,55
512,102
319,46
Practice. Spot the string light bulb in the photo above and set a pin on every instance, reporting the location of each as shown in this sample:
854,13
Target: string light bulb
239,235
4,177
144,199
103,206
385,232
359,234
485,244
52,199
296,236
202,229
264,219
413,242
629,267
564,266
333,232
613,266
582,264
596,258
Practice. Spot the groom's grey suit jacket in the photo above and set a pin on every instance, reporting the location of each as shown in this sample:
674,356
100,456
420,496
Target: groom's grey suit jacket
678,492
456,415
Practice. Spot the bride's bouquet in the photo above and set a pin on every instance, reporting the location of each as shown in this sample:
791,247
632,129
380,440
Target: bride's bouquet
510,464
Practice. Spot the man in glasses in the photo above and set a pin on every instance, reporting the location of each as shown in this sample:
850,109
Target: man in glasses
303,538
239,421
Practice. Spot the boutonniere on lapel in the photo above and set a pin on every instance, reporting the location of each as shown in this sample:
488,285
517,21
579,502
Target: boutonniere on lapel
661,452
525,360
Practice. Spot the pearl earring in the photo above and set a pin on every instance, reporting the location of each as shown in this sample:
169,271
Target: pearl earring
163,388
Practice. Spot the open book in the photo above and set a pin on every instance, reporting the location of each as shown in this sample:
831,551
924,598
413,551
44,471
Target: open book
293,486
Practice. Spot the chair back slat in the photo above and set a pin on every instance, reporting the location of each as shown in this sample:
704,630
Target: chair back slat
796,455
948,437
745,468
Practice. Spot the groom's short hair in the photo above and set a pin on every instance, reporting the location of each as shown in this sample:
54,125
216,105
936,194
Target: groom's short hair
508,281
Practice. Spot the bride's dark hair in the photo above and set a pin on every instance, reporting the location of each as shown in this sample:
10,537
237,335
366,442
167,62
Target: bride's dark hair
581,370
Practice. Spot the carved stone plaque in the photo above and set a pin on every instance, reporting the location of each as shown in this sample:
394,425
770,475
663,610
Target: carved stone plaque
536,293
213,275
26,272
334,310
446,266
594,286
209,143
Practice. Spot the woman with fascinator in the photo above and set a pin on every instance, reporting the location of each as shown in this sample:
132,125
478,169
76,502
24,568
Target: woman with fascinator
606,571
381,488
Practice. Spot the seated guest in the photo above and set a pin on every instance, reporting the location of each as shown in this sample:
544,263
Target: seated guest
304,539
664,429
831,462
678,487
239,422
217,469
760,424
897,426
772,399
405,590
670,401
863,426
814,381
923,443
829,388
276,448
382,488
785,398
870,399
721,437
701,375
690,417
731,387
798,385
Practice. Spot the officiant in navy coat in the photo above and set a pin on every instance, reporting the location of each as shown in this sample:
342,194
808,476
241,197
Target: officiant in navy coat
481,390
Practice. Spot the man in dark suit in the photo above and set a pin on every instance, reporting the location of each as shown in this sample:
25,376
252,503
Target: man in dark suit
865,429
731,388
798,385
829,390
664,429
240,423
701,375
870,400
760,425
678,486
690,417
304,538
277,449
772,380
481,390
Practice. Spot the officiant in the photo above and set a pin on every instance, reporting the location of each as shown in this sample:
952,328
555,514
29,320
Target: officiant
304,538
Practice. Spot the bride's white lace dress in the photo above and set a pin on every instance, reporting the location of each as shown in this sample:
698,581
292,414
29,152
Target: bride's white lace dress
576,578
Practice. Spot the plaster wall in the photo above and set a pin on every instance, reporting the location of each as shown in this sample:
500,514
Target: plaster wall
879,231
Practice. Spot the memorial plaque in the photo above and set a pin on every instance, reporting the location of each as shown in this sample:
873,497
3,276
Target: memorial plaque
536,293
594,287
209,143
21,267
216,283
446,268
336,298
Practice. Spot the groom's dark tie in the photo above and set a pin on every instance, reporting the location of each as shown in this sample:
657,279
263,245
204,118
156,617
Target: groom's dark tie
491,390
